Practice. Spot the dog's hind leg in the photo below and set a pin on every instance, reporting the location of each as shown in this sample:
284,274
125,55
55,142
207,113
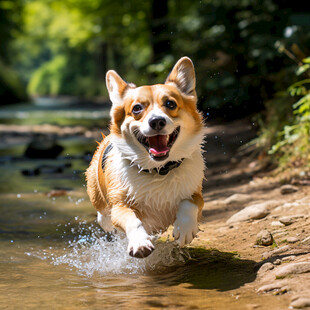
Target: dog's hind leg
139,243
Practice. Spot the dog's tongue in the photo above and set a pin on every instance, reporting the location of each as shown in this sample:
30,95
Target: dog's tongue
158,145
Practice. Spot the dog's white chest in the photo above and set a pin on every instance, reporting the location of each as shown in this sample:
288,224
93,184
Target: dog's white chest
157,197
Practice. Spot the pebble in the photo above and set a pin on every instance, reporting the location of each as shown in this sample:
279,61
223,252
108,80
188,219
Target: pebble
253,212
306,240
288,189
293,268
265,267
288,258
286,220
264,237
277,224
280,250
300,302
237,198
292,239
277,262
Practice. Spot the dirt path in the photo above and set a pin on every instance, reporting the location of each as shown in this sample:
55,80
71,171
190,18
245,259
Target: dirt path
239,206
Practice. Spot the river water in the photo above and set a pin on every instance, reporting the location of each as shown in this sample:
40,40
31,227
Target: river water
54,255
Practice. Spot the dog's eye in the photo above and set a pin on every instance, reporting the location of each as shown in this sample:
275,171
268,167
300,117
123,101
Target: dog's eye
171,105
137,108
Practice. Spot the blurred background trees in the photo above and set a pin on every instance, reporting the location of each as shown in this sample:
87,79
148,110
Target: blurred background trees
64,47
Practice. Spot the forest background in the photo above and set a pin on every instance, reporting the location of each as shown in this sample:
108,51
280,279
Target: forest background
251,57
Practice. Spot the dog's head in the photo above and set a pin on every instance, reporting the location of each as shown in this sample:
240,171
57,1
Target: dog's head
152,125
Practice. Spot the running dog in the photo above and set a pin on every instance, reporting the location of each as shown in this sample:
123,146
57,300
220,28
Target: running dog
147,173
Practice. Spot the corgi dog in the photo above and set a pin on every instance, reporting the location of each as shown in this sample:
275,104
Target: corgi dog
147,173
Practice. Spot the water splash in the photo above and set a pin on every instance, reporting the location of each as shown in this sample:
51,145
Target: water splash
94,253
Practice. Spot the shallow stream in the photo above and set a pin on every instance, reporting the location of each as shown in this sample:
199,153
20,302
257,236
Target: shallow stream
53,254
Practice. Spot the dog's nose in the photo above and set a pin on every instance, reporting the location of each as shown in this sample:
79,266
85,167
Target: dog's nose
157,123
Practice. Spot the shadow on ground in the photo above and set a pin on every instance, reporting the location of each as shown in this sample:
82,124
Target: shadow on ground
212,269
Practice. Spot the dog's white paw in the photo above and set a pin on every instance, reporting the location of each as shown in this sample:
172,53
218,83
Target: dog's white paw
184,232
139,244
185,225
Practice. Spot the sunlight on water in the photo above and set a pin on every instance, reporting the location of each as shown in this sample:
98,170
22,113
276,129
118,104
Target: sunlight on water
94,253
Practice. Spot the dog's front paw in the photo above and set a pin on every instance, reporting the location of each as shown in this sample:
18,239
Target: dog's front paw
185,225
185,231
139,245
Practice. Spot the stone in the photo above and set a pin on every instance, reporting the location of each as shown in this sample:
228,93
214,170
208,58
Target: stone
286,220
264,237
288,189
292,268
277,224
277,262
237,198
281,250
265,267
306,240
276,251
288,258
253,212
300,302
43,146
269,287
292,239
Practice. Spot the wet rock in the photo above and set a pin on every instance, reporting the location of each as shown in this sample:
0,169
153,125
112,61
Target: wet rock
292,239
252,212
288,189
237,198
43,146
293,268
264,237
46,169
300,302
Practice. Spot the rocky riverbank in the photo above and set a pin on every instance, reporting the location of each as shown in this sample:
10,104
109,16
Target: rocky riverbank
261,220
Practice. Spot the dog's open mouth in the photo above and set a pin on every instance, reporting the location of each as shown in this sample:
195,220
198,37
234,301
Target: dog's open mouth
158,146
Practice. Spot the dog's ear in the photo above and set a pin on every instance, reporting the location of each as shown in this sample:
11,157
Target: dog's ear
183,76
116,87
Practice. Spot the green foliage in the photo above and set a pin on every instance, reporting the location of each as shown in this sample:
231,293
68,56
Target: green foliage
66,46
11,88
293,143
48,79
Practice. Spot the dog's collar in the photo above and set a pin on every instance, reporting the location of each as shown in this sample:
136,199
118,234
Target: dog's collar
164,170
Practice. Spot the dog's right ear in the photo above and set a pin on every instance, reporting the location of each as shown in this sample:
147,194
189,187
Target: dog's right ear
116,87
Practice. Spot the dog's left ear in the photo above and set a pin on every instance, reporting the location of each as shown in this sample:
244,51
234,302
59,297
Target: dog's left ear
183,76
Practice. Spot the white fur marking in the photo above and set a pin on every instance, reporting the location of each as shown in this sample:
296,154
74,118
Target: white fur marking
157,196
186,226
138,239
